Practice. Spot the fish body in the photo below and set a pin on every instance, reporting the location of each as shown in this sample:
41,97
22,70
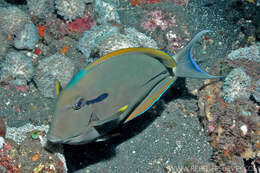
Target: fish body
116,89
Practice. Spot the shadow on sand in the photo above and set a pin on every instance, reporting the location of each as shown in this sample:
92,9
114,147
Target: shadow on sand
81,156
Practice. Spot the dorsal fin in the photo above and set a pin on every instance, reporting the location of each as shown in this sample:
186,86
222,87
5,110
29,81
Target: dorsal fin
167,60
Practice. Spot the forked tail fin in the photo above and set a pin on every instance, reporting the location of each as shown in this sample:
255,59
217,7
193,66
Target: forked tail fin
186,66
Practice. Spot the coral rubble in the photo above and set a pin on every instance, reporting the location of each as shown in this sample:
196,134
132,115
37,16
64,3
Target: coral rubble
27,38
17,67
237,85
62,70
70,9
12,19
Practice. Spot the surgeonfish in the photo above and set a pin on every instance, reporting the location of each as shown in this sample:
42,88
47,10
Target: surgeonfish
117,88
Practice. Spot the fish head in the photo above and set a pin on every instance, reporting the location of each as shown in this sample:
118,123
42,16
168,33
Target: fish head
70,124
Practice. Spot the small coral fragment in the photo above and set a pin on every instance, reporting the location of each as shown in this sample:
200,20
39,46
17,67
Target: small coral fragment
37,51
35,157
64,49
40,29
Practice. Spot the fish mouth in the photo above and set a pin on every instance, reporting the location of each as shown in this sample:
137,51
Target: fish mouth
54,139
58,140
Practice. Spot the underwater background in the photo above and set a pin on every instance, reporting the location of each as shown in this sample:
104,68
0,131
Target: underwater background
197,125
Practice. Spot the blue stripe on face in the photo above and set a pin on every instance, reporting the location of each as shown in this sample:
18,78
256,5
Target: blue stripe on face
98,99
76,78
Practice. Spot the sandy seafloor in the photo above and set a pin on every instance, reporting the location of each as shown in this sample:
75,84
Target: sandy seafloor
162,139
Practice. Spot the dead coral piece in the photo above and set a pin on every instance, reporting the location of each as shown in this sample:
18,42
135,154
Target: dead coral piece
27,157
12,19
69,10
56,67
232,127
237,85
251,53
16,66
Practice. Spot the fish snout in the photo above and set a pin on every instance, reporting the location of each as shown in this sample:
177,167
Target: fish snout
53,138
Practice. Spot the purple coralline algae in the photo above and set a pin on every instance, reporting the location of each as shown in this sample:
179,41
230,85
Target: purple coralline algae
236,85
27,38
107,11
16,67
40,8
91,38
157,18
12,19
251,53
69,9
56,67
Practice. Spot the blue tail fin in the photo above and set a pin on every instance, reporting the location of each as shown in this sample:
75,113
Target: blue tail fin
186,66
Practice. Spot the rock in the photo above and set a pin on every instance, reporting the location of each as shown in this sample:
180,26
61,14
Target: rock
115,42
40,8
27,38
69,10
236,85
12,19
91,38
251,53
16,66
107,11
56,67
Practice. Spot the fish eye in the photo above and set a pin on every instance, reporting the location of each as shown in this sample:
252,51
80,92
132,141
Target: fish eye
78,103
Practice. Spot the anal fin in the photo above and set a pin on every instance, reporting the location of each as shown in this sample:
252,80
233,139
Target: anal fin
152,97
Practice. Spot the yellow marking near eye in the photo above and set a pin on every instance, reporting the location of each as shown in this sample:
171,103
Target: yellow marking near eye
123,108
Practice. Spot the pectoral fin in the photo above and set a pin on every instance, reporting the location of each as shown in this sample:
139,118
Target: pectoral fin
109,122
